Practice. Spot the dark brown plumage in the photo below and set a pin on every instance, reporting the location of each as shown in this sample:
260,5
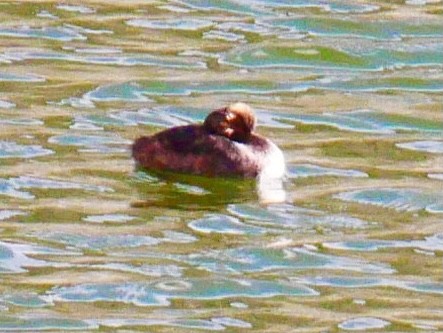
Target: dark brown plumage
224,145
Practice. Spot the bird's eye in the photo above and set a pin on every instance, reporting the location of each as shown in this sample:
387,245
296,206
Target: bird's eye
230,116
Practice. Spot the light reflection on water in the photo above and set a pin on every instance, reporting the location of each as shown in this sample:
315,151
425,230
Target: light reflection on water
350,91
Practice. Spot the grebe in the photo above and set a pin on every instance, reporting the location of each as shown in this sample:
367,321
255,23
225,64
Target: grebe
224,145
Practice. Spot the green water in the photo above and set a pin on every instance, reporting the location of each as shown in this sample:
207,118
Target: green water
349,90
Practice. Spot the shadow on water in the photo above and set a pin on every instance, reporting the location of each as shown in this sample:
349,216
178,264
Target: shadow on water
166,189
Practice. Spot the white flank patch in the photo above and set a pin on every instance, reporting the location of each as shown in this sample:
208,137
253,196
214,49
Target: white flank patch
270,180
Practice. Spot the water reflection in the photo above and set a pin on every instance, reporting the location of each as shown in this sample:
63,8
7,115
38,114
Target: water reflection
43,324
6,105
431,244
77,9
174,24
262,7
287,216
385,30
435,147
322,57
14,150
225,225
194,192
214,324
91,143
55,33
161,293
6,77
363,323
399,199
371,282
12,186
138,91
96,56
242,260
15,258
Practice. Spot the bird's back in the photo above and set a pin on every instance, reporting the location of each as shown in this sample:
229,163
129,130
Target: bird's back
191,149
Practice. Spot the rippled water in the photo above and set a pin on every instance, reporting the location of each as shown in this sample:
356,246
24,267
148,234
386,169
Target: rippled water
350,90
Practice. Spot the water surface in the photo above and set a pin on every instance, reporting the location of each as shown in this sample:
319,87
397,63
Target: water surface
350,91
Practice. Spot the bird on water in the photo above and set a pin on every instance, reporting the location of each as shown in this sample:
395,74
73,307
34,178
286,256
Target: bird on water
225,145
